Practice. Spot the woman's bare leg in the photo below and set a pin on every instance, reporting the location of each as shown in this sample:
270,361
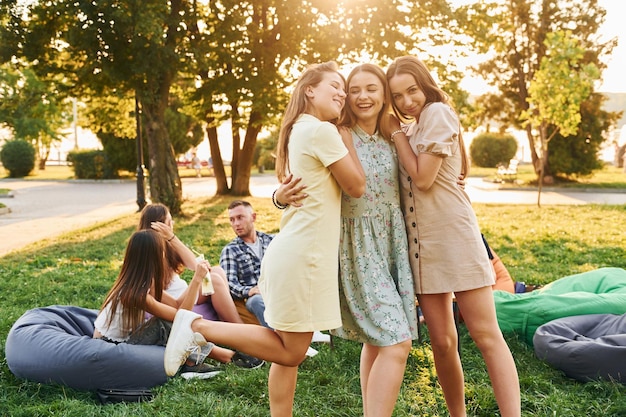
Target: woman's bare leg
221,299
221,354
437,309
258,341
282,379
382,371
282,389
478,309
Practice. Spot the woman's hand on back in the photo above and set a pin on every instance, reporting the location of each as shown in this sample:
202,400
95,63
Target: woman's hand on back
291,192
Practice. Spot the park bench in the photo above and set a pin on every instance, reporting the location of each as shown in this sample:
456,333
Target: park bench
508,173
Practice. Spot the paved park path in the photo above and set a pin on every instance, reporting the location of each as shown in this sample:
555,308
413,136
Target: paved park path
45,209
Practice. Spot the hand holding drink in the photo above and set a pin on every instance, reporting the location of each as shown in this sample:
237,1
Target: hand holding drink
207,284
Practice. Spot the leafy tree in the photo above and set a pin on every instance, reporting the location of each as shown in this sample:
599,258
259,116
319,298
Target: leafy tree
110,111
254,50
32,108
512,36
238,57
113,117
185,130
136,47
557,91
577,155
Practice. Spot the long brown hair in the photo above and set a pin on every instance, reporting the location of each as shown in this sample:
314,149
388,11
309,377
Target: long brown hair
348,118
157,212
298,104
414,67
143,267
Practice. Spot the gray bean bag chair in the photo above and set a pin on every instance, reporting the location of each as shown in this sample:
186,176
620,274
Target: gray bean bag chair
55,344
587,347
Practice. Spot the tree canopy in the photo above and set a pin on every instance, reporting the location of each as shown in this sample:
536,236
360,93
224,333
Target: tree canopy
31,108
557,92
512,37
235,61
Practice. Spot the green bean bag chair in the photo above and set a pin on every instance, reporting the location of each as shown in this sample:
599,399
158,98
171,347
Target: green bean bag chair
602,291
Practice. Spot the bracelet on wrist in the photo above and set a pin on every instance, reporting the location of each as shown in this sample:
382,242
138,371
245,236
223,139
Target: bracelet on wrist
277,204
395,132
170,239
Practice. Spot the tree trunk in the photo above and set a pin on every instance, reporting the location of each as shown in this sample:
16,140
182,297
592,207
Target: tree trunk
539,168
41,165
43,153
218,163
542,162
241,180
533,151
165,185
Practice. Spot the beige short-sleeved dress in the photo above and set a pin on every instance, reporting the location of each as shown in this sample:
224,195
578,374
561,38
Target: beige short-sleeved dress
446,250
300,267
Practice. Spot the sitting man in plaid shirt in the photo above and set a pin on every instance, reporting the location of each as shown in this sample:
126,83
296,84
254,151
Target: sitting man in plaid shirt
241,258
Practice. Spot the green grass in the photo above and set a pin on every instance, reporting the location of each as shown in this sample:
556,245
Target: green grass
608,177
537,245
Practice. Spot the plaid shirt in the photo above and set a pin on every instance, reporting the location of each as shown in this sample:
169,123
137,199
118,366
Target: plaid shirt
242,266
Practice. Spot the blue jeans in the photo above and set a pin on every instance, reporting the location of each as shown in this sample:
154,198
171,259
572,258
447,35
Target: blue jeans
256,306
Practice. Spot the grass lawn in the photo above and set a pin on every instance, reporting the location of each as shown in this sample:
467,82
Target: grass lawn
608,177
537,245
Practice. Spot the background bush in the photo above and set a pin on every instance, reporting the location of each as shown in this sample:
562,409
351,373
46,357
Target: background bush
91,164
121,152
487,150
18,157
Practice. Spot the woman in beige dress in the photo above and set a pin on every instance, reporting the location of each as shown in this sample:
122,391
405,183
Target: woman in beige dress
446,251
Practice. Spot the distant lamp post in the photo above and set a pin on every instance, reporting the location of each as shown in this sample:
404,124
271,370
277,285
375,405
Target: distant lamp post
75,122
141,189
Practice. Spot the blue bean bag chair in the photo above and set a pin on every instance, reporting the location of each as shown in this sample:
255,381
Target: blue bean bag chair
54,345
588,347
601,291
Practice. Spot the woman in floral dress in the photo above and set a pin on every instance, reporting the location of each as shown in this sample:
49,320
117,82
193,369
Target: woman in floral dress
376,285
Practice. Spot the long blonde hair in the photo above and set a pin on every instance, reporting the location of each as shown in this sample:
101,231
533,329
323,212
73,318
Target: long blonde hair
298,104
414,67
349,119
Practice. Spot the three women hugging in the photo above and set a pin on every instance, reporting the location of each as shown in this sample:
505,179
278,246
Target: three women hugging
378,205
414,184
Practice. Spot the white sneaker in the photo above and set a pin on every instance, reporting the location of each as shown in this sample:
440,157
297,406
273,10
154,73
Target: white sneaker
320,337
310,352
181,342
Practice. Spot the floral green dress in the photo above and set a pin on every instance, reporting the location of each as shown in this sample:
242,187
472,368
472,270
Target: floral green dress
376,289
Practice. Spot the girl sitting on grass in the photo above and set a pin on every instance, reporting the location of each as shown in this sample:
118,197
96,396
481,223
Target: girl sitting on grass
140,289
